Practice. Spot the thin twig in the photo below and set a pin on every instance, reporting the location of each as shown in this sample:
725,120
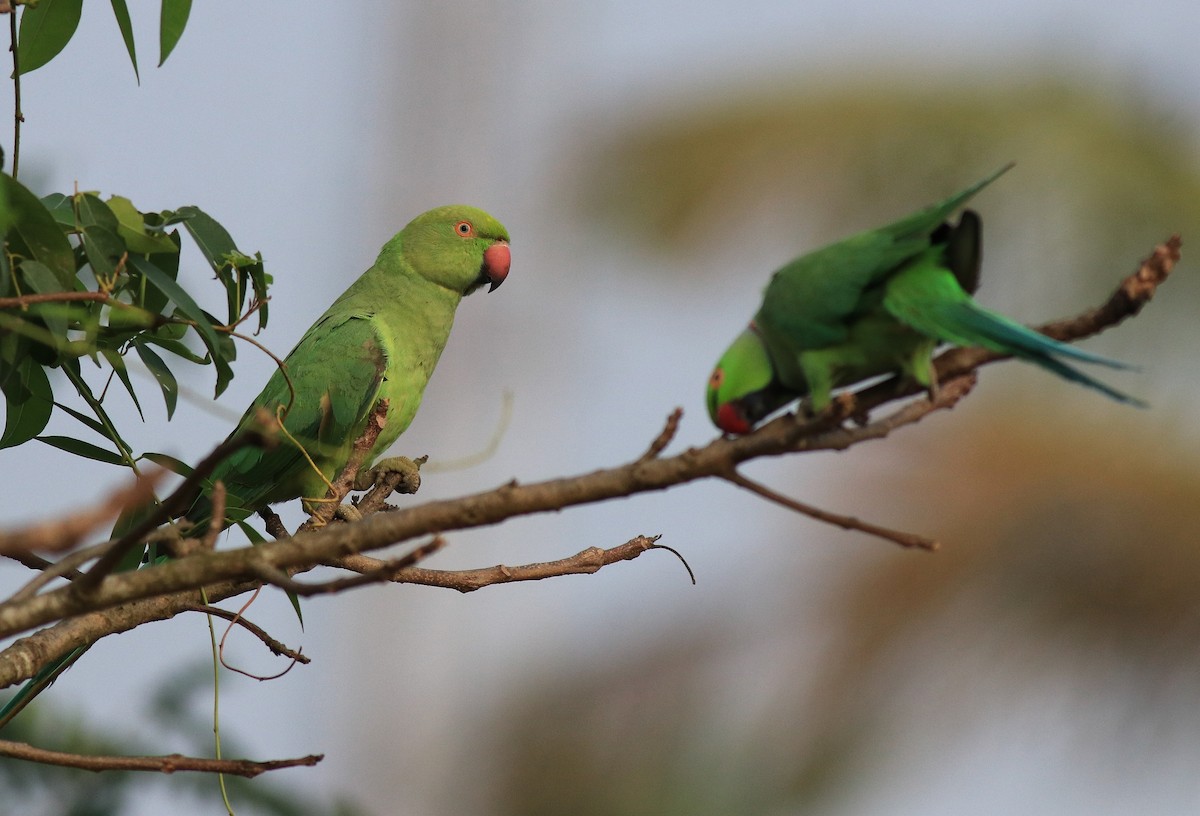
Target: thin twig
217,522
584,562
171,763
21,301
489,450
235,618
65,567
273,523
845,522
65,533
18,117
663,439
380,572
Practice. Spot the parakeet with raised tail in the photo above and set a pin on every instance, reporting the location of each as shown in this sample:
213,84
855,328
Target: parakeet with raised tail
875,303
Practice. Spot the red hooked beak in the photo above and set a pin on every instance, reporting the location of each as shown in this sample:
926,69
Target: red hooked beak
730,419
496,260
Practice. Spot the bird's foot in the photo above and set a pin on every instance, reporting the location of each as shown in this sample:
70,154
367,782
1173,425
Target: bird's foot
409,470
347,513
933,390
845,407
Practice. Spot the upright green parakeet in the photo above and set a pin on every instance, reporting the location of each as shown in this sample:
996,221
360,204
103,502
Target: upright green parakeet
875,303
379,340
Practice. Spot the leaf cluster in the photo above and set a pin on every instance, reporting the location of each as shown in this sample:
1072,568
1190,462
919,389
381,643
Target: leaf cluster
86,279
48,25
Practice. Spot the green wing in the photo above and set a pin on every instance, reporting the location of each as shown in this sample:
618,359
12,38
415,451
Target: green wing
336,373
810,302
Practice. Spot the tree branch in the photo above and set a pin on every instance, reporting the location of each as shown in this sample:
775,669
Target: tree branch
161,764
584,562
163,590
271,643
65,533
174,505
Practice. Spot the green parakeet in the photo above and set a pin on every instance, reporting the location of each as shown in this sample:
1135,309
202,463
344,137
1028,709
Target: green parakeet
380,340
875,303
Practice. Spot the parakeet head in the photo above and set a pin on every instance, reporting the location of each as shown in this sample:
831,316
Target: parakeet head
459,247
742,388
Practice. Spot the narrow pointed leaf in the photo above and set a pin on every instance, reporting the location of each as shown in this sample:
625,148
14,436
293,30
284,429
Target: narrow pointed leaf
118,366
85,449
45,30
121,12
166,379
167,285
214,240
84,418
169,462
170,26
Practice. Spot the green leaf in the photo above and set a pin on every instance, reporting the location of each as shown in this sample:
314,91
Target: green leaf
103,249
213,239
62,208
35,232
166,380
174,346
170,26
42,281
234,268
29,402
94,212
121,12
131,226
84,418
85,449
118,366
169,462
45,31
174,292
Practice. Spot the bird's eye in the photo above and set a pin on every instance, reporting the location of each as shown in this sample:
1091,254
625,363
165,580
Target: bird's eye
464,229
718,377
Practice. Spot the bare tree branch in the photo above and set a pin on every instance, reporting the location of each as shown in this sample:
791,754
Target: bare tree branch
271,643
65,533
174,505
163,590
170,763
584,562
663,439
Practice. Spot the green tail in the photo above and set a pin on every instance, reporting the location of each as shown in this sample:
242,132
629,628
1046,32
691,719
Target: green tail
927,297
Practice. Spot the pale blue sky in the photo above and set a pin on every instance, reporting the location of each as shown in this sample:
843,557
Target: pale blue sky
313,134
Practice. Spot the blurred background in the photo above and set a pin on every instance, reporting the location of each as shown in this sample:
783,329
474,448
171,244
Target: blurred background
654,162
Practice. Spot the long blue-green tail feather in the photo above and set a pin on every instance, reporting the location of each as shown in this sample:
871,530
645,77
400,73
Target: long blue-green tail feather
965,323
926,296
